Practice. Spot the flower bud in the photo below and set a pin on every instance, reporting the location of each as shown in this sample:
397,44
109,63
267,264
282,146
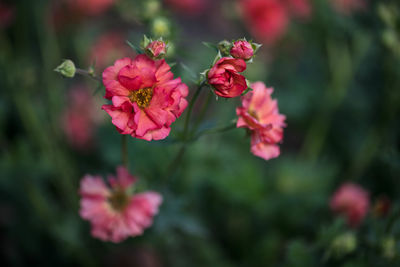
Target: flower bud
224,47
151,8
389,247
242,49
156,49
161,27
67,68
344,244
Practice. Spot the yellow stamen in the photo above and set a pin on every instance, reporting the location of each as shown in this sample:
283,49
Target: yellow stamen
118,199
142,97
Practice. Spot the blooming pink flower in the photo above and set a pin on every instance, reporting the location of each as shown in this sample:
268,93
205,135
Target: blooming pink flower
242,49
80,118
156,49
351,201
7,14
267,20
107,48
114,213
146,99
188,7
346,7
259,113
225,78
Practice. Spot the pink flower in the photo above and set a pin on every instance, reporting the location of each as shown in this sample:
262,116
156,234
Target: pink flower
156,49
107,48
7,15
259,113
351,201
146,99
224,77
188,7
346,7
242,49
114,213
80,118
267,20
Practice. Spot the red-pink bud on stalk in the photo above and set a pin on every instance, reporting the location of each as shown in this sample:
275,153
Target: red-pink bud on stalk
156,49
242,49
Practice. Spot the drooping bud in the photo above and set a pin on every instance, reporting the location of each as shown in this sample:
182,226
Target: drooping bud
224,47
156,49
242,49
344,244
67,68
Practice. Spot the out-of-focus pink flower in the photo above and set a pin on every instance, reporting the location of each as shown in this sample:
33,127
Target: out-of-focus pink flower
80,117
146,99
267,20
108,48
90,7
224,77
7,14
299,8
348,7
242,49
351,201
114,213
259,113
156,49
188,7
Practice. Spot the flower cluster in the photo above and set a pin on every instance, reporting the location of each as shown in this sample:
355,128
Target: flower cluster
259,113
146,99
113,211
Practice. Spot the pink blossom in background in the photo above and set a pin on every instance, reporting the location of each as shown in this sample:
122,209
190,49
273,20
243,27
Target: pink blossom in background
242,49
114,213
352,202
146,99
109,47
259,113
299,8
347,7
267,20
80,117
224,77
188,7
7,15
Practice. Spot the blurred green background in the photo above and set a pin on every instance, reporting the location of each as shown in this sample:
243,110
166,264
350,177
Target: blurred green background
336,77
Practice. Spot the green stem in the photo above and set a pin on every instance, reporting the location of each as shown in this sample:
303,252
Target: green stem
190,108
124,150
175,162
89,74
215,130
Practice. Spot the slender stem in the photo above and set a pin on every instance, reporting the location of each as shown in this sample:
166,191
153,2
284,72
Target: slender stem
91,75
190,108
215,130
203,111
124,150
175,162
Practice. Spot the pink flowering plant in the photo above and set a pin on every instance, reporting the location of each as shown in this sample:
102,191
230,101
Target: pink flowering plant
200,133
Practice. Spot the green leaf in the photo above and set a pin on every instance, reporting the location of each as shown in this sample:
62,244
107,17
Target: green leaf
135,48
211,45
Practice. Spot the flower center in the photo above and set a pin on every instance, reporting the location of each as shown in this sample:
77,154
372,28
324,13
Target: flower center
118,199
253,113
142,97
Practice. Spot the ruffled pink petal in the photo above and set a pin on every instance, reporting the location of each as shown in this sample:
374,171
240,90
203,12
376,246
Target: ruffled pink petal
119,117
111,73
93,186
